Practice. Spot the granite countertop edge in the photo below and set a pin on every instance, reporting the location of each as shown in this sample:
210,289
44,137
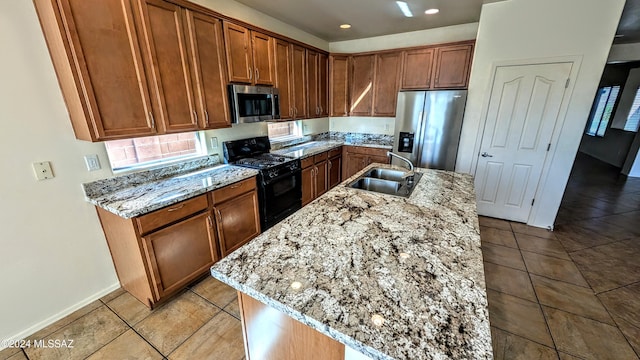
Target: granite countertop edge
326,145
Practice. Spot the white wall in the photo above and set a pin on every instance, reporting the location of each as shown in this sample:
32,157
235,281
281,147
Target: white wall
528,30
54,257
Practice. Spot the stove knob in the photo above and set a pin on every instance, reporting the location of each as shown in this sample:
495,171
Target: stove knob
293,166
273,173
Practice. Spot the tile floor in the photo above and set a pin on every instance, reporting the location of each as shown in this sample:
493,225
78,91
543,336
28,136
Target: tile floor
573,293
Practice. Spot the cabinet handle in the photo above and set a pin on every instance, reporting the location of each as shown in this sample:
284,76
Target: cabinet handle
153,121
176,208
330,164
235,186
195,115
290,111
250,72
218,216
210,221
257,74
206,117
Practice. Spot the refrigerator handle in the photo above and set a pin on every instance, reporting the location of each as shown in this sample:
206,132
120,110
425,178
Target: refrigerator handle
419,140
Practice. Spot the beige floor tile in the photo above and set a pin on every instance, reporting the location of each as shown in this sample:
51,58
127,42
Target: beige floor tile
233,308
18,356
128,346
570,298
610,230
575,237
129,308
565,356
89,333
215,291
502,255
8,352
518,316
604,272
512,347
220,338
587,338
631,332
549,247
554,268
624,302
494,223
534,231
498,236
170,325
40,334
112,295
509,281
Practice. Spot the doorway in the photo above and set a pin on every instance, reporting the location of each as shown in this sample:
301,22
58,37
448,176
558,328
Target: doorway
522,115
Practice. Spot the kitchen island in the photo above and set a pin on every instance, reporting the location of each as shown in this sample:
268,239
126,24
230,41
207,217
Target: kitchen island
389,277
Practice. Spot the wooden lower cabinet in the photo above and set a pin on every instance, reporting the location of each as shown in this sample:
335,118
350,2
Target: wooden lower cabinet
335,167
159,253
286,339
315,177
356,158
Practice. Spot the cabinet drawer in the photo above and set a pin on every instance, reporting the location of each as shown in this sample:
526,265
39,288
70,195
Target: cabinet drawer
305,163
320,157
335,152
169,214
366,150
233,190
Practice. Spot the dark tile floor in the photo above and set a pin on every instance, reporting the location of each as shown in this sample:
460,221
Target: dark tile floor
569,294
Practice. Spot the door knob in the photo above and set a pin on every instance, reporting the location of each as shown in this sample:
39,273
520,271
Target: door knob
486,154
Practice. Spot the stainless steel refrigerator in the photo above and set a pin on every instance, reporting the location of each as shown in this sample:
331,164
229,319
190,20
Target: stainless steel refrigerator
428,125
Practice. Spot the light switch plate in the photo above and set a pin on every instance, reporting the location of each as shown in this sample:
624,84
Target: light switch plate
43,170
92,162
214,142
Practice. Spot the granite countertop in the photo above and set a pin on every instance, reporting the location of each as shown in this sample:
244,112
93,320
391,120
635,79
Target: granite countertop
138,196
311,148
414,261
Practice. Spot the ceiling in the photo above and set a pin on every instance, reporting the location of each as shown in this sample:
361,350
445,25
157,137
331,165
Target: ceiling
368,18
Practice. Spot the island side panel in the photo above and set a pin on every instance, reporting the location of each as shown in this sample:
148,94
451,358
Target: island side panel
270,334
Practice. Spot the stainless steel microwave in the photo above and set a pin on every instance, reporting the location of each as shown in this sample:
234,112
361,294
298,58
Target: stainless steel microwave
253,103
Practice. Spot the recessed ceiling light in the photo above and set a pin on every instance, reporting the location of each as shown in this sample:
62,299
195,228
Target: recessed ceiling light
345,26
618,36
404,8
432,11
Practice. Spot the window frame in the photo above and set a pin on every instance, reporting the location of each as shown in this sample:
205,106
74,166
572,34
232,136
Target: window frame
297,131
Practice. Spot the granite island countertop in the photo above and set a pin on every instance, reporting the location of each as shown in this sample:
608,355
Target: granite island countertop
311,148
416,262
137,194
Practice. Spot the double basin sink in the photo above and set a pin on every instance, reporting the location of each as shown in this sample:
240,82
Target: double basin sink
387,181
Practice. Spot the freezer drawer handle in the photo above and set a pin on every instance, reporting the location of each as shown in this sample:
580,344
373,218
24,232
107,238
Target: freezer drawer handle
486,154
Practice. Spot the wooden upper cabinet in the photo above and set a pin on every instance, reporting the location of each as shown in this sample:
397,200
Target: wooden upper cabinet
323,84
362,78
339,85
262,58
417,69
97,58
385,88
298,81
282,57
209,70
165,47
451,66
249,55
312,83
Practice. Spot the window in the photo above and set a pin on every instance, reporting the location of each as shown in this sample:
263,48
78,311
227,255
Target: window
633,120
602,109
154,150
288,130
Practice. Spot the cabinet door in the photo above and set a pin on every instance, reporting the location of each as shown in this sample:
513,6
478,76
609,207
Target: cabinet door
353,163
322,180
323,85
308,185
180,253
209,70
238,48
312,83
283,82
335,167
262,58
238,221
298,81
362,78
167,52
416,69
451,68
377,159
339,85
98,60
385,89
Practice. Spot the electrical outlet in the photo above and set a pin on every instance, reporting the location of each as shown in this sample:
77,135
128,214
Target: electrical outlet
214,142
386,127
43,170
92,162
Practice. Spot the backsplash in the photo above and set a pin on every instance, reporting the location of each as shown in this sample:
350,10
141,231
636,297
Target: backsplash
355,138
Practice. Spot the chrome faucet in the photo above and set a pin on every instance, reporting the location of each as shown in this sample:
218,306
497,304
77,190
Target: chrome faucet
409,174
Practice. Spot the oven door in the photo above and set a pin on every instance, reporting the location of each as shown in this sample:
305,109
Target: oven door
282,197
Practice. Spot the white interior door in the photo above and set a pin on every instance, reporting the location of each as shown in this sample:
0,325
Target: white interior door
523,111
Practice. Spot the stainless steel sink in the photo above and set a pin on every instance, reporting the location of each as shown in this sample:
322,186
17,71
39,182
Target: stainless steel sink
386,181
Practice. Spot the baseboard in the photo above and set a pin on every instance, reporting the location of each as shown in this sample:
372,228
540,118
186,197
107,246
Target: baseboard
50,320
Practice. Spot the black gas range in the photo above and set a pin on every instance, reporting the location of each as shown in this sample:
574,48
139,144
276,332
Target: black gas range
279,181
